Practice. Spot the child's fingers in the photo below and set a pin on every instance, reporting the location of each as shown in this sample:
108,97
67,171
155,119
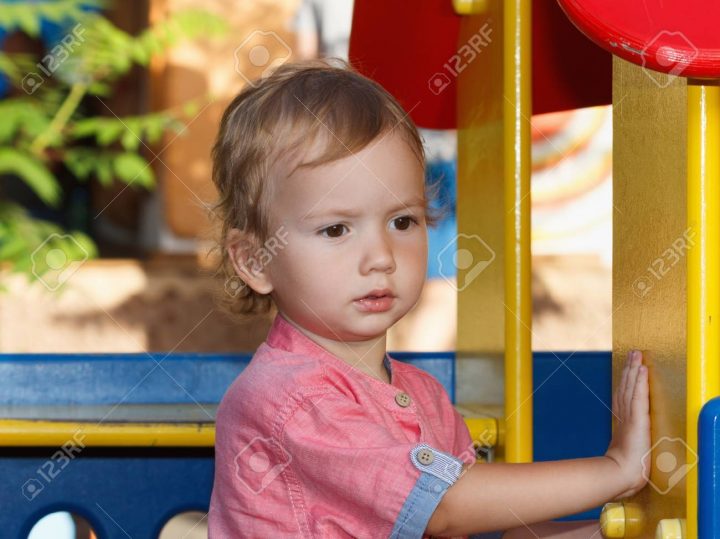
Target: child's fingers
631,379
615,409
641,395
620,393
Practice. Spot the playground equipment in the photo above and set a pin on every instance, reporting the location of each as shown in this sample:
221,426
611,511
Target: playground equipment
667,170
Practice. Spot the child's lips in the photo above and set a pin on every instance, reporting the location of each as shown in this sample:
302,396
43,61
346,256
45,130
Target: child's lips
375,302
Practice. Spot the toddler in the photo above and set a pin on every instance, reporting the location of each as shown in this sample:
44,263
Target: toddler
325,213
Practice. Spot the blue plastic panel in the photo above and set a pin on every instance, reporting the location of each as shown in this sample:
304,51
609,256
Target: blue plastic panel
121,492
148,378
111,378
709,470
572,415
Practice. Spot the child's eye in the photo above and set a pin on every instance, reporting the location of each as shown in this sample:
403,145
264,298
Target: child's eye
333,231
404,222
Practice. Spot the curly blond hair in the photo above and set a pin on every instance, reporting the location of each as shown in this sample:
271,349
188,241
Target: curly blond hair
298,105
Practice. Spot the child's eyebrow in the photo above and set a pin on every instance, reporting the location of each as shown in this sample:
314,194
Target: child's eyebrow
346,212
330,213
414,203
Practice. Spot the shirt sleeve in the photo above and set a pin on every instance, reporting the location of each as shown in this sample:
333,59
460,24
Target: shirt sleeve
463,447
348,472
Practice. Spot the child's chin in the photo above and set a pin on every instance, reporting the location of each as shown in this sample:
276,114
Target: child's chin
369,329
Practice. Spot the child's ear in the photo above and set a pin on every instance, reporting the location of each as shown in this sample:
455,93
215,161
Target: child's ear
242,248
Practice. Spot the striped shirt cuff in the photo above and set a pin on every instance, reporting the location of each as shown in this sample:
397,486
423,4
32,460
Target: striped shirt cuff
438,471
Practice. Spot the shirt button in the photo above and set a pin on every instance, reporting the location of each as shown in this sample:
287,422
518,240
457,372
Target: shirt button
425,456
402,399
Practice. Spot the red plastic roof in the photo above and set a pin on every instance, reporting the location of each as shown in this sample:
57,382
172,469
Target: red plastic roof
679,37
405,49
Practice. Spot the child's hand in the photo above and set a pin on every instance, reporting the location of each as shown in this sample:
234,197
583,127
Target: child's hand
630,443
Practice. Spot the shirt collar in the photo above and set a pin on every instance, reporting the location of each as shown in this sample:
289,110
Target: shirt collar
285,336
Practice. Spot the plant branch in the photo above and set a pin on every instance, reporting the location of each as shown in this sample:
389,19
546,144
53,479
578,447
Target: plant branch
61,118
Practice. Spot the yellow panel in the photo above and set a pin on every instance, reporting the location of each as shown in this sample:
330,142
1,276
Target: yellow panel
481,314
484,430
649,265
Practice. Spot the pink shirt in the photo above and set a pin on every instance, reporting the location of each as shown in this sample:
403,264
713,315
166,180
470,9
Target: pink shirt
308,446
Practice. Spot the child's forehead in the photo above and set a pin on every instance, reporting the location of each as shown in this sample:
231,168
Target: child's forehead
325,150
352,189
385,171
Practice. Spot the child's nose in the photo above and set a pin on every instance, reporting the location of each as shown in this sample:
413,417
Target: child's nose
378,255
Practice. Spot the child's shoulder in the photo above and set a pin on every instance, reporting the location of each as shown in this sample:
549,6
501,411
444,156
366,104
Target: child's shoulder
275,368
274,377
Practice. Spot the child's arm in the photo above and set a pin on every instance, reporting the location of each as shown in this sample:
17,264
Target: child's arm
490,497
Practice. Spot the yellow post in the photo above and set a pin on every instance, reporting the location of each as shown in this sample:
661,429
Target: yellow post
518,297
494,303
703,269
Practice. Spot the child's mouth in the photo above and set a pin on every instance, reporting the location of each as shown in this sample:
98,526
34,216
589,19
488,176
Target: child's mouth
375,303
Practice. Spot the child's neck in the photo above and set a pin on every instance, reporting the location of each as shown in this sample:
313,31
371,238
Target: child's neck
366,356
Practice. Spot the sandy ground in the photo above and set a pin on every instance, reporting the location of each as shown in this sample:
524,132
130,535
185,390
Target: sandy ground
168,304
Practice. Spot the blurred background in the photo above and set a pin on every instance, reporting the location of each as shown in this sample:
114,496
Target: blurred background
105,232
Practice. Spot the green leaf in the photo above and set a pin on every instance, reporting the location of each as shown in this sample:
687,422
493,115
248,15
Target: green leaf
21,116
108,132
39,249
11,247
8,66
80,162
85,244
131,168
33,172
130,139
84,128
104,171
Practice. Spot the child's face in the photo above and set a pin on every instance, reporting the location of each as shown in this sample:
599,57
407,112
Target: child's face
352,226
